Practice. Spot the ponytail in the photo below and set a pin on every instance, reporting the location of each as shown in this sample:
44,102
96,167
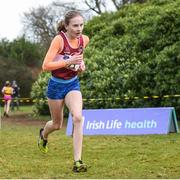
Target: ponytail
61,26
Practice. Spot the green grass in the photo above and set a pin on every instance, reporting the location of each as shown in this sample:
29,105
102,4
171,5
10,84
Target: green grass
148,156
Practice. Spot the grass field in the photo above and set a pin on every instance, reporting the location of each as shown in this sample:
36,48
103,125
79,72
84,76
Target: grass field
112,157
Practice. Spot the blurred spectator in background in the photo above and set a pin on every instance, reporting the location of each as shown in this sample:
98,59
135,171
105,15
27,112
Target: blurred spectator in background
15,95
7,92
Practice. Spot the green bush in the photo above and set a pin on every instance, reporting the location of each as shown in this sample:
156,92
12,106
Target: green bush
38,93
130,63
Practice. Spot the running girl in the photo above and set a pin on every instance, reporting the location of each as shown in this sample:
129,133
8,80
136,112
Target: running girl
65,60
7,91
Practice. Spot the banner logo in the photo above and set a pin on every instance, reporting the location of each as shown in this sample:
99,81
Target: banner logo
131,121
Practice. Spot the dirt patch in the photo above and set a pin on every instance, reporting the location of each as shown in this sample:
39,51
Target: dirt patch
22,119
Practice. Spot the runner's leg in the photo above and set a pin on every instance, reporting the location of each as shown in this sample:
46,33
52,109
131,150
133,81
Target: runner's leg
56,109
73,101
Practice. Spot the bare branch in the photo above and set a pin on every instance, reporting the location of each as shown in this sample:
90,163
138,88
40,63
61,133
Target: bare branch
98,6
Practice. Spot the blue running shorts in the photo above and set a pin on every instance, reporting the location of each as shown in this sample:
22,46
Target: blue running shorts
59,88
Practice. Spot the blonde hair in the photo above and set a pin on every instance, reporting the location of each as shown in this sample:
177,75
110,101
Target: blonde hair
68,16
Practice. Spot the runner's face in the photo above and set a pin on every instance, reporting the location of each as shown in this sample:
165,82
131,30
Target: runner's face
75,27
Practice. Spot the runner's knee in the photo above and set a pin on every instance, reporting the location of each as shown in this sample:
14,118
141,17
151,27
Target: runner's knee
77,118
56,126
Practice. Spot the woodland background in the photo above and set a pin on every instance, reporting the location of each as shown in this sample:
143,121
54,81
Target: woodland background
134,51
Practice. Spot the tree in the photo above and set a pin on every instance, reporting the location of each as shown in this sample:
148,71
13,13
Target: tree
101,6
12,70
21,50
66,6
98,6
20,60
39,25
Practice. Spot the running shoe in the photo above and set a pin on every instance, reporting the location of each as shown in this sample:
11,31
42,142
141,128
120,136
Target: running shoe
42,143
6,115
79,166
